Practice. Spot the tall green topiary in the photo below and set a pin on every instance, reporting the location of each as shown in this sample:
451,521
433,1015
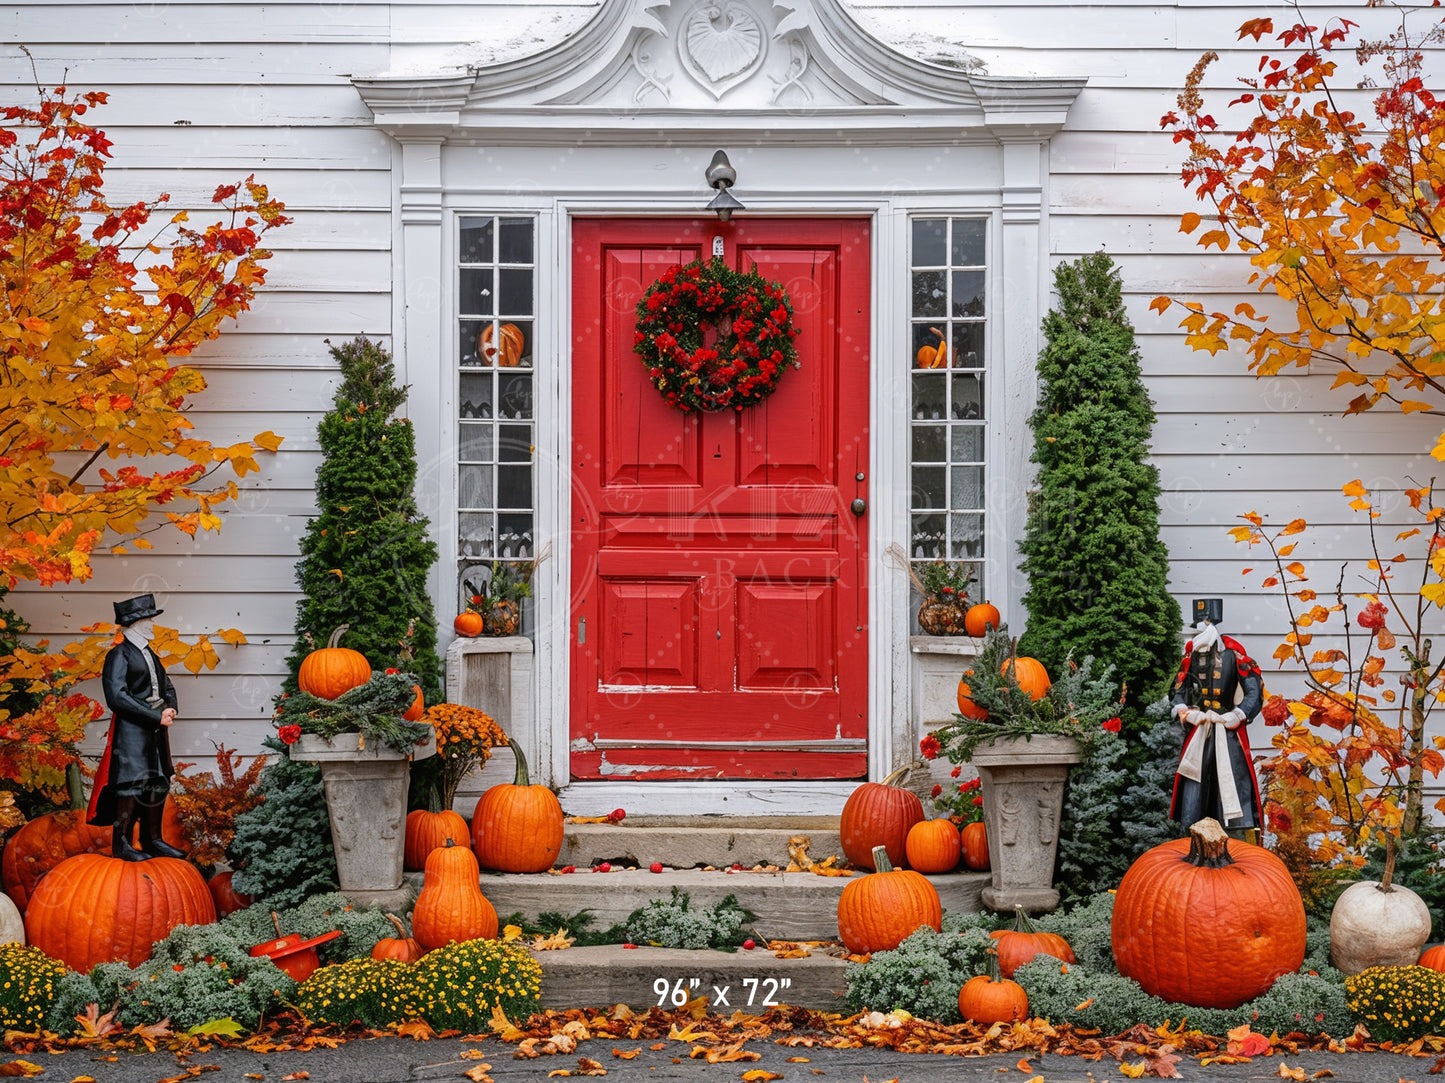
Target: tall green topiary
365,558
1098,572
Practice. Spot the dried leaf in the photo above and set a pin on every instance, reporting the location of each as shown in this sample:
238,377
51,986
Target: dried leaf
1286,1072
20,1068
1134,1071
295,1075
754,1075
478,1073
503,1027
628,1054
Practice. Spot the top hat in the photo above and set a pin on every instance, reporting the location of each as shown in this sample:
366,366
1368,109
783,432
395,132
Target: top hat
1210,609
137,608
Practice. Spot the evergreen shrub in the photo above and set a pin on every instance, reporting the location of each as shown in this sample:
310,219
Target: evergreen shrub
282,849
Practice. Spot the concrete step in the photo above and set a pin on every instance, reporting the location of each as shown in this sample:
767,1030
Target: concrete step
693,842
642,978
789,905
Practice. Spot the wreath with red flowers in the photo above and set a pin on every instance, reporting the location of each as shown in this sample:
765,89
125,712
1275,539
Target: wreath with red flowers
753,322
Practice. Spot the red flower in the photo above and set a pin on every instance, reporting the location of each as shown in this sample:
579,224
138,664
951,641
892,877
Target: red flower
956,771
937,789
1113,725
930,747
977,801
289,734
392,671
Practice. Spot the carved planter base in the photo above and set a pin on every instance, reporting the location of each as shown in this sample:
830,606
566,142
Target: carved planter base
1023,799
366,803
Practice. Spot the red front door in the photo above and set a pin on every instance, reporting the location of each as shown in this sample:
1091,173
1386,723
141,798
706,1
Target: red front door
719,572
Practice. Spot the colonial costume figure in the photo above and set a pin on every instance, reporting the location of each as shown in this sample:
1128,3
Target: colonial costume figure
135,772
1219,689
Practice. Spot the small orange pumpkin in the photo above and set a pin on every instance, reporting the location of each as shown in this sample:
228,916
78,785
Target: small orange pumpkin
966,706
1434,958
978,618
933,846
92,908
332,670
451,905
990,998
1020,944
401,947
1030,674
468,624
517,827
934,357
427,830
227,899
879,911
974,840
879,814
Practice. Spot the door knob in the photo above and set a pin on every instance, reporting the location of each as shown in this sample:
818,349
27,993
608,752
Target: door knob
859,505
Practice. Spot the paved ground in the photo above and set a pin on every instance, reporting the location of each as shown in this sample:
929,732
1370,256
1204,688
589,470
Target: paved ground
401,1060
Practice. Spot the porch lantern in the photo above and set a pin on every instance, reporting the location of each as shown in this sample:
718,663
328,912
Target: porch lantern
722,176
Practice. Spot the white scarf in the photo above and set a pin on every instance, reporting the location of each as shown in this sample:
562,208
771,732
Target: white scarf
1191,766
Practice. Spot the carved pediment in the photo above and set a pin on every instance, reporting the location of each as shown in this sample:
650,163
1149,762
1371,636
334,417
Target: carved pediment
702,65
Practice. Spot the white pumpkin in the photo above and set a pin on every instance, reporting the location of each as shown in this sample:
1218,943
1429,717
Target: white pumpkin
12,925
1370,927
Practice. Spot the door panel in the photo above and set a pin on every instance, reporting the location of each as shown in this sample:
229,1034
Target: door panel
719,575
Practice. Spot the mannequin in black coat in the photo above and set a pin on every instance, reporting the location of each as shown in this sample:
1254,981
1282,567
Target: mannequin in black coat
135,773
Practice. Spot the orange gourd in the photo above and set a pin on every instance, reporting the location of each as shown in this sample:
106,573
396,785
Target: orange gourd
966,706
1020,944
44,843
934,357
933,846
979,617
1434,958
1208,921
332,670
1031,676
468,624
974,840
417,708
227,899
512,343
429,830
879,814
451,905
517,827
95,909
990,998
400,947
879,911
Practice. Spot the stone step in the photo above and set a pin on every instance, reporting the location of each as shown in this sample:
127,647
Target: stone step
693,842
643,978
788,905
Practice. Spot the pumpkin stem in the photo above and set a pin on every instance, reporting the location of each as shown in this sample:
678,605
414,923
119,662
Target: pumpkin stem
336,634
1389,873
449,844
521,778
400,928
880,859
898,775
1022,924
1208,845
994,975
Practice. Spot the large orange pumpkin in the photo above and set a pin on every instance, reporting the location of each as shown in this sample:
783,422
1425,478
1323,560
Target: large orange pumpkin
1208,920
469,624
94,909
974,840
44,843
990,998
426,831
1020,944
1033,678
879,814
933,846
332,670
451,905
978,618
517,827
227,899
966,706
879,911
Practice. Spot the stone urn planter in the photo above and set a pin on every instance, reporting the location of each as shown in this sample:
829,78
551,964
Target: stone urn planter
1023,799
366,784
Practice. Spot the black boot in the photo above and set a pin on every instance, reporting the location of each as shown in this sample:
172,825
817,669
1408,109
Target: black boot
125,818
150,829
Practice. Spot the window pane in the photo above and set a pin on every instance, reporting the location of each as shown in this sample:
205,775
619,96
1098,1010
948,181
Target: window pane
928,241
928,295
476,395
474,487
928,392
967,492
515,446
967,444
476,534
968,234
967,346
476,241
514,486
469,337
515,295
476,443
926,340
928,443
928,487
476,292
967,396
965,536
516,238
968,293
926,541
515,400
